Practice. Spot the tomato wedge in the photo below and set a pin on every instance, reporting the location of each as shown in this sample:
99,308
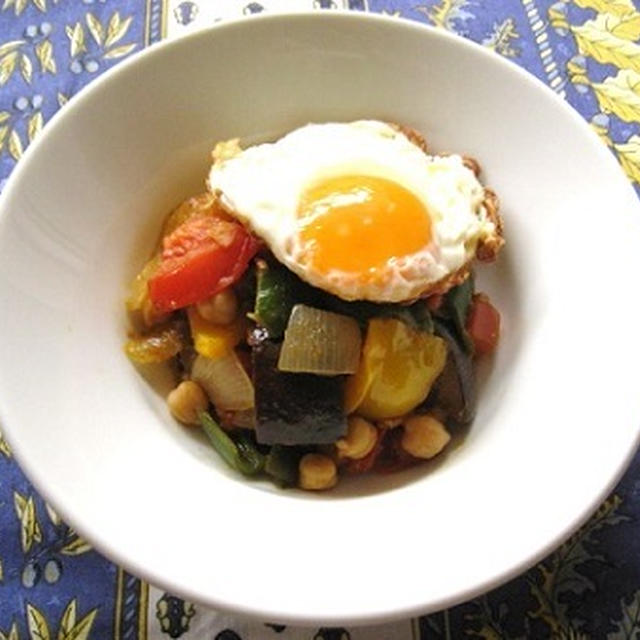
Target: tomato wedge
201,257
483,324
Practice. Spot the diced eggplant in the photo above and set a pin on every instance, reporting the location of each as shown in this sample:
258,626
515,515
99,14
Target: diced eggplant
455,389
294,408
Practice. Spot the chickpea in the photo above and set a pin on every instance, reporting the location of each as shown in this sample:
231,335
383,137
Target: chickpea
360,439
186,401
424,436
220,308
317,472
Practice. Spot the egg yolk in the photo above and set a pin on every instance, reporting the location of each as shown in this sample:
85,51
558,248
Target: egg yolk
357,223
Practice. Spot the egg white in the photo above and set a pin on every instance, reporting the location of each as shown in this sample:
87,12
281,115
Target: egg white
262,185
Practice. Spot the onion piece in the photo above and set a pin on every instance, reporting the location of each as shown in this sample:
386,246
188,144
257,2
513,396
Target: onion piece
139,286
226,382
159,345
244,419
320,342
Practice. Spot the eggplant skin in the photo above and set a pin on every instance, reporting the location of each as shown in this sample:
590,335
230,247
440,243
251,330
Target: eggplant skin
455,389
294,408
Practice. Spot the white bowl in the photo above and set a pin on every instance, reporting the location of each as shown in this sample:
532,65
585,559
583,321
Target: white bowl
559,410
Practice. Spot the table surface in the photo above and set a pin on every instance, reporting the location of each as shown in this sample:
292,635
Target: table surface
54,586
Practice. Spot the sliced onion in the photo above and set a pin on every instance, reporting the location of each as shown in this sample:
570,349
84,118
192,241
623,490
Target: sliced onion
225,381
320,342
245,419
156,346
139,286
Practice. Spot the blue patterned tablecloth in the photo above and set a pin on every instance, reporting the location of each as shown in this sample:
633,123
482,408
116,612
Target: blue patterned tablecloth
53,586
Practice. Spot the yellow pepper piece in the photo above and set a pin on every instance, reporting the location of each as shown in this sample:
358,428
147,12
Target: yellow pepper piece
214,340
397,369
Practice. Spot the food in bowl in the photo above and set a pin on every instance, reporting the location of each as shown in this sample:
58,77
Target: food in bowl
318,304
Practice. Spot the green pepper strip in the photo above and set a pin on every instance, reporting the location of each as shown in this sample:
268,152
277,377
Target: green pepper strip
282,464
241,456
275,298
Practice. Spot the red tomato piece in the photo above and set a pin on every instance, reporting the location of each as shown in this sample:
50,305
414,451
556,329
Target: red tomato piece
483,324
203,256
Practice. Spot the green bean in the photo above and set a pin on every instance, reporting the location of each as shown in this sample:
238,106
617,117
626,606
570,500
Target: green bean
241,456
250,461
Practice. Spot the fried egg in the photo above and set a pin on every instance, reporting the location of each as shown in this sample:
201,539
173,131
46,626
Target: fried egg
356,208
